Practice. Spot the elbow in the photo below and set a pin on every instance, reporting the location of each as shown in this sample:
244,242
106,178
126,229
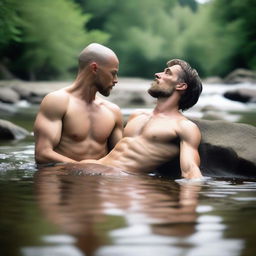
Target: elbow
41,157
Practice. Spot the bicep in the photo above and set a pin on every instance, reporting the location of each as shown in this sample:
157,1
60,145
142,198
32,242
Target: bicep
188,155
48,123
47,132
189,143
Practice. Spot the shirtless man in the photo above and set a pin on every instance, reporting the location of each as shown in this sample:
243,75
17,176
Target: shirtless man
152,139
73,123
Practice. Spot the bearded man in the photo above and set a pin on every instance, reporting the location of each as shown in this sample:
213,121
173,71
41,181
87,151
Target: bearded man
73,123
153,139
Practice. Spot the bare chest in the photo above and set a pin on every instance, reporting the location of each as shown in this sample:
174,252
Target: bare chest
81,123
158,130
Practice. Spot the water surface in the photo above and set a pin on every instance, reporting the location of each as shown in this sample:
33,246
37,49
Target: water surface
50,214
45,213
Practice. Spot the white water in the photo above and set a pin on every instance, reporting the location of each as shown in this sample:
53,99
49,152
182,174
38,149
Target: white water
213,104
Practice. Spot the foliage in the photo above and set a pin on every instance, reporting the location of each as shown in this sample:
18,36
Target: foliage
204,42
41,39
239,17
52,34
145,42
191,3
215,37
8,22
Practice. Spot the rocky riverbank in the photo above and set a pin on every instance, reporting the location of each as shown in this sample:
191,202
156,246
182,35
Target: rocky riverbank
129,91
226,149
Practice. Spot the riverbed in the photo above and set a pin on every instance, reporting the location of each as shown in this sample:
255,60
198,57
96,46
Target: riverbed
53,214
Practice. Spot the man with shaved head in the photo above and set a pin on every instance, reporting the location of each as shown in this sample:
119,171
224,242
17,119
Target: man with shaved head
73,123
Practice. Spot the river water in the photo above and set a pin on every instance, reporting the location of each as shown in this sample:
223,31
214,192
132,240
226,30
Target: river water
47,213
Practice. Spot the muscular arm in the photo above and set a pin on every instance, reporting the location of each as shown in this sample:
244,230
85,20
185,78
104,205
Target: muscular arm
190,137
48,127
117,132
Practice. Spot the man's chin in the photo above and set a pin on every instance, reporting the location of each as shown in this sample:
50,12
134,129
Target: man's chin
105,93
153,93
159,93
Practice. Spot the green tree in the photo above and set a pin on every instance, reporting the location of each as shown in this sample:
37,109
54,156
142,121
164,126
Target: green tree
191,3
215,37
145,33
139,33
52,34
9,31
240,17
101,10
8,22
208,46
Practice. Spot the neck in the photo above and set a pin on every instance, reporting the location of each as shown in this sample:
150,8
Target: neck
84,88
167,105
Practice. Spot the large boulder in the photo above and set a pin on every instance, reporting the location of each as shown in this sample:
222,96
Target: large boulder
10,131
30,94
213,80
14,90
8,95
227,149
242,95
240,76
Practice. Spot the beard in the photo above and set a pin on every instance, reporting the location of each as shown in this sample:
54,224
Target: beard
105,91
157,92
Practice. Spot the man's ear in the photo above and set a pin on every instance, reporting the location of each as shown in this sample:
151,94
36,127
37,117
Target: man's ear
181,86
94,67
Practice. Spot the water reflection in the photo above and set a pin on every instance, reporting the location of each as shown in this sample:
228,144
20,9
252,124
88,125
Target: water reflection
103,212
131,215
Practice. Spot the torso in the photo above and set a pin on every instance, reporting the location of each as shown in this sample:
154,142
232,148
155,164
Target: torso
149,140
86,129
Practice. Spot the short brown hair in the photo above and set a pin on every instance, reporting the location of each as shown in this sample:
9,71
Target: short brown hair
194,85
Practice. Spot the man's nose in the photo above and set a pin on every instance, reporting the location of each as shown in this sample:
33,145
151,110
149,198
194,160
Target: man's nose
116,79
157,75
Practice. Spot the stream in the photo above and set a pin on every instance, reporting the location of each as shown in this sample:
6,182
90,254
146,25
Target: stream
49,214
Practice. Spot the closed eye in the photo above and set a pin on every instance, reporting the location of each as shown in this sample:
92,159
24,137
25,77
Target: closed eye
114,73
168,71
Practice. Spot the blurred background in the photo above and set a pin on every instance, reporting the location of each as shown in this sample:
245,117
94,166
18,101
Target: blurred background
40,40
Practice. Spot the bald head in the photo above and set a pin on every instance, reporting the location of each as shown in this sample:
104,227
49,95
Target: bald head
95,53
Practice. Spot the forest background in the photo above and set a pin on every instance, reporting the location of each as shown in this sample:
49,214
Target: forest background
41,39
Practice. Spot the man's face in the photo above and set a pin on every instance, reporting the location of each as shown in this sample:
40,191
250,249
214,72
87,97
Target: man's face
107,77
165,82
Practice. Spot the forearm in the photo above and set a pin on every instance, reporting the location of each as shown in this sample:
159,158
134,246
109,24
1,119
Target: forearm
50,156
191,172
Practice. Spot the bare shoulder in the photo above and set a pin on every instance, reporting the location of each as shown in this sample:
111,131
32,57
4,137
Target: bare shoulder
137,113
111,107
185,123
55,102
188,130
56,97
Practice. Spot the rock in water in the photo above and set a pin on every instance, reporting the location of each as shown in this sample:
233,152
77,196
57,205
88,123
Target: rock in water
8,95
10,131
242,95
227,149
241,76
